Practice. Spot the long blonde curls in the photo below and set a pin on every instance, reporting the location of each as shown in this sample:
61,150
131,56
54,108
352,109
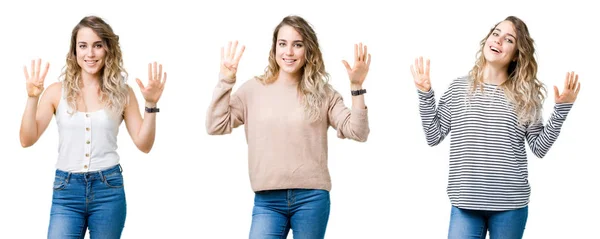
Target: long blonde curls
314,83
522,88
113,90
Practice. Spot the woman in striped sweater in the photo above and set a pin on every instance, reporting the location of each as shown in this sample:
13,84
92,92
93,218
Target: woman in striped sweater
492,113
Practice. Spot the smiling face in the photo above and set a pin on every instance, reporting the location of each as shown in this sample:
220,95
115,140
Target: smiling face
501,45
90,52
290,51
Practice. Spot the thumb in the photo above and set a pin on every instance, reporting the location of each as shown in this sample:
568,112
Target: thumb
139,82
346,65
556,94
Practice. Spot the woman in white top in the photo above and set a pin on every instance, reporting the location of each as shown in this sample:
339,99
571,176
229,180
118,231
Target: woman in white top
89,104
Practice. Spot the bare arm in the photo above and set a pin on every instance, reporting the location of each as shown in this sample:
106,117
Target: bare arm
38,113
143,130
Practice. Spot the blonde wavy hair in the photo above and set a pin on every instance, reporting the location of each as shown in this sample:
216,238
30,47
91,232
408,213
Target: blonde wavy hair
522,88
314,83
113,90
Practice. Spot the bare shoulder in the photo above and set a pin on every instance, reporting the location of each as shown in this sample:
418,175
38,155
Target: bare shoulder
130,95
53,93
129,89
51,96
54,88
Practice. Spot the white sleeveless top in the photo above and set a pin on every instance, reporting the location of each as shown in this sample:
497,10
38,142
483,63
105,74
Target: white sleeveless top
87,140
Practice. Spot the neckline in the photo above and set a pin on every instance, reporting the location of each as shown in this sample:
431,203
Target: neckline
491,84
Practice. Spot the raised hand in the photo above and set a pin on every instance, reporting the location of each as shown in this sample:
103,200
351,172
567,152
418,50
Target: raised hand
421,74
229,60
35,79
362,61
571,90
156,83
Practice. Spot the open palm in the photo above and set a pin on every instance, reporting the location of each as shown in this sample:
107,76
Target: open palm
420,74
570,90
362,61
156,83
229,60
35,78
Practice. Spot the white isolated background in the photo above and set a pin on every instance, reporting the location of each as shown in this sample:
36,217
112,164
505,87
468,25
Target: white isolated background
193,185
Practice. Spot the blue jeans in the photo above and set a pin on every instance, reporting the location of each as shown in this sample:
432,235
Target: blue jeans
275,212
474,224
94,200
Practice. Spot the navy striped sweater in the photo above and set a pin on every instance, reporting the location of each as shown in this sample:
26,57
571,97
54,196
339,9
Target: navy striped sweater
488,161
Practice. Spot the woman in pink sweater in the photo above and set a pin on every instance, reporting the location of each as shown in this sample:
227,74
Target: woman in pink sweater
286,113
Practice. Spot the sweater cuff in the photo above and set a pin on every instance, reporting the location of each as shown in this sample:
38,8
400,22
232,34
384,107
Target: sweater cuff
561,110
425,95
225,82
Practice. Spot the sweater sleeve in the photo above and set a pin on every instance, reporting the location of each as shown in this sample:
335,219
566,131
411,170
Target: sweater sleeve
540,137
435,121
349,123
226,110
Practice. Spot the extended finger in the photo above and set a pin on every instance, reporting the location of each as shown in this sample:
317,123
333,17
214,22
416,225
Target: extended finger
239,56
139,82
574,82
228,52
365,53
26,73
154,68
356,58
233,49
160,72
346,65
162,85
416,65
32,69
222,53
149,70
361,56
46,67
37,69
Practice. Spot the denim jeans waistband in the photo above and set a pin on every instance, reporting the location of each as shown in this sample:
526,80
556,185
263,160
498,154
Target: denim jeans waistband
89,175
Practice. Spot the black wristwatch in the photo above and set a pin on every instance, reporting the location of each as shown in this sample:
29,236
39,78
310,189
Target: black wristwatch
358,92
152,110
